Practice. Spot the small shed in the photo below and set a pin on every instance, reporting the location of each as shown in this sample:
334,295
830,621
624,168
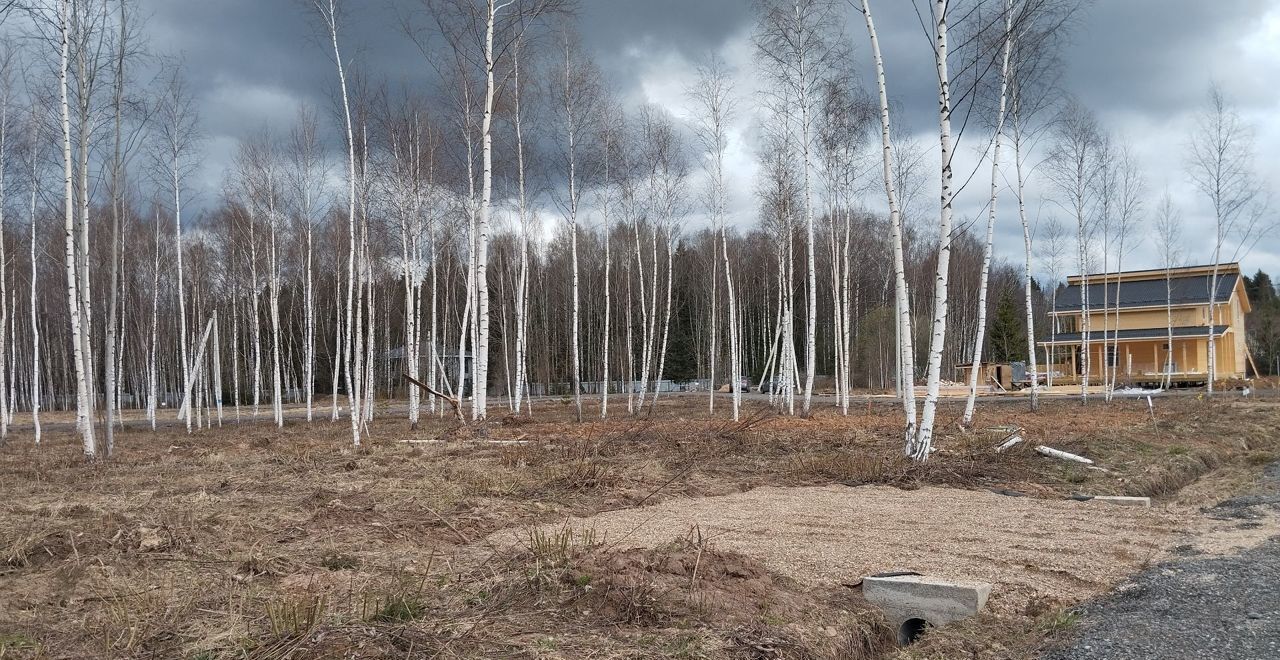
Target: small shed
997,376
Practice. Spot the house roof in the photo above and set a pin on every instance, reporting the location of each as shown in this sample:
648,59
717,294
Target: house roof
1158,273
1183,290
1139,334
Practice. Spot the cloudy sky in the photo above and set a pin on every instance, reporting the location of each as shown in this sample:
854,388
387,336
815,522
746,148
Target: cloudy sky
1143,66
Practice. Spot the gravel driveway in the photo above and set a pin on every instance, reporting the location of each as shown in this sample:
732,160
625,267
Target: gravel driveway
1226,608
1029,548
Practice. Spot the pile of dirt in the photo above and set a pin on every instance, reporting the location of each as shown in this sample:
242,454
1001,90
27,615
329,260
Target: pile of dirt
728,601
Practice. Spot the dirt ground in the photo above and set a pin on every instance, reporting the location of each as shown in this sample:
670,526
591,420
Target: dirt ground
1034,550
709,539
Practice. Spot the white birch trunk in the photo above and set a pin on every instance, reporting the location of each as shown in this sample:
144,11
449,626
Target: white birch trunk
1081,248
410,313
309,359
35,319
353,375
182,297
980,340
642,386
217,367
906,348
713,319
924,437
153,385
522,288
6,382
1168,311
235,350
666,321
277,389
117,175
1034,372
608,265
811,326
84,117
481,360
84,421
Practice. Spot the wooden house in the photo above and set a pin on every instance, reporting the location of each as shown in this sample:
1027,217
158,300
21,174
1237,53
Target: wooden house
1151,323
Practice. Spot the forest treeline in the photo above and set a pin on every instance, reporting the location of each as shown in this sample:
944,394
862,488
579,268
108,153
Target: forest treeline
516,224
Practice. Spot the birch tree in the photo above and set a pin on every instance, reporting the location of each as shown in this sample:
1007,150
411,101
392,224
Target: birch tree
33,183
1220,165
329,14
496,26
122,150
846,117
410,185
1072,169
669,172
992,204
797,51
611,133
576,91
1168,236
713,100
262,182
1039,28
522,210
905,348
6,149
1130,192
177,136
921,447
67,25
307,179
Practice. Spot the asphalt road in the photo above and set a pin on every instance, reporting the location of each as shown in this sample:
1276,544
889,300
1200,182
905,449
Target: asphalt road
1226,608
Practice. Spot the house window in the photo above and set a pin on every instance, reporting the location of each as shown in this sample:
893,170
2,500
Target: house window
1067,324
1112,356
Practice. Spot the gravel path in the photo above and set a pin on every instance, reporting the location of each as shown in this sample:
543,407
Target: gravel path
1226,608
1032,550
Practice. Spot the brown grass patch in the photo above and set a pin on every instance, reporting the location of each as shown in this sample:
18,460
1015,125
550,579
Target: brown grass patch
251,540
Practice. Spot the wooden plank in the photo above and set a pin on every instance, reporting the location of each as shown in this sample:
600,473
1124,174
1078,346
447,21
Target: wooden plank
1249,354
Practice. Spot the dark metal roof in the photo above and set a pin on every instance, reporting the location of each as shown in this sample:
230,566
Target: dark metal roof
1185,290
1144,333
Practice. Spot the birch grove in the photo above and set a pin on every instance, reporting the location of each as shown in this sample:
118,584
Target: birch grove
524,229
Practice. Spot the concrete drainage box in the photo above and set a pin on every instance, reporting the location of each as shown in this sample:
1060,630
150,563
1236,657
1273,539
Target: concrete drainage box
915,602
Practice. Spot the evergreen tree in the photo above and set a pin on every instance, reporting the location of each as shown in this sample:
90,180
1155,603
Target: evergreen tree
1008,331
1263,324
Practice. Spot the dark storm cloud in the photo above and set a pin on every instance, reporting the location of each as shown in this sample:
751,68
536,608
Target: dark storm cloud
1126,54
1155,56
1142,65
622,33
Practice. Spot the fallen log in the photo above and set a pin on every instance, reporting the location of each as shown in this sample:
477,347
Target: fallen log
1010,442
457,408
1066,456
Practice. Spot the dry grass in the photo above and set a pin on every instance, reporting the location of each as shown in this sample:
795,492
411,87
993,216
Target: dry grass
248,541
